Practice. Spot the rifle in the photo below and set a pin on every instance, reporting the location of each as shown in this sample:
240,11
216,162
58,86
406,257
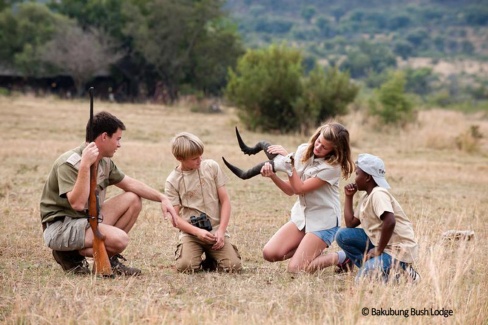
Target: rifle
101,265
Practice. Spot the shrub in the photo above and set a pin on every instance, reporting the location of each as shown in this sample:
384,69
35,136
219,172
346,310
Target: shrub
390,103
4,91
271,92
468,141
264,85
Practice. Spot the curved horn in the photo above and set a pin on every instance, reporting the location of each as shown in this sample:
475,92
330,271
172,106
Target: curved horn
254,171
262,145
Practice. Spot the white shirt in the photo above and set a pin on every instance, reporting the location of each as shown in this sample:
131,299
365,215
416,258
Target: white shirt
319,209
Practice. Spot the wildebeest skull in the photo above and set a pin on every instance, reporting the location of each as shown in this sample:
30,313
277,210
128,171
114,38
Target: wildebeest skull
278,162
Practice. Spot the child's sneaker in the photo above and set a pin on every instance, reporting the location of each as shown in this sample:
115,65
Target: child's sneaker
412,275
209,264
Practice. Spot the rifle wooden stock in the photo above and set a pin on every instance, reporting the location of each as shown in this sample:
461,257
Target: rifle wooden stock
101,261
101,265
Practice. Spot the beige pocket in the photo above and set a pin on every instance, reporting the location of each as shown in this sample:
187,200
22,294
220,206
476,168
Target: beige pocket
178,251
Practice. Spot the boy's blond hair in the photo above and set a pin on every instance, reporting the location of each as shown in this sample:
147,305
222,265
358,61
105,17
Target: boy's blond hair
186,145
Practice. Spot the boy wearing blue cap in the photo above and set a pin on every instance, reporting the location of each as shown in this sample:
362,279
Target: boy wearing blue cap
385,243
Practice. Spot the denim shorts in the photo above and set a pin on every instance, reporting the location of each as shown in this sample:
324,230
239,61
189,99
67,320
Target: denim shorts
327,235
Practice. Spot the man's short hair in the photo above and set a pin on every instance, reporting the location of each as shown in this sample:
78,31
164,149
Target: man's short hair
103,122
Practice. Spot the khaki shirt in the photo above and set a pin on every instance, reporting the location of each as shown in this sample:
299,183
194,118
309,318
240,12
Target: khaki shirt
195,191
319,209
62,178
402,245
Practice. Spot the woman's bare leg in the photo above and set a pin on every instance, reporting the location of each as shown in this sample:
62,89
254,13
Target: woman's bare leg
309,248
323,261
283,244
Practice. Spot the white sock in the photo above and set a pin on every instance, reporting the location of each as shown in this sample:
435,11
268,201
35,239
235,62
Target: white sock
342,257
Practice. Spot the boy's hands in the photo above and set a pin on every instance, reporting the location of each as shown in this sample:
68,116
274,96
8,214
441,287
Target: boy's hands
219,237
350,189
216,239
206,236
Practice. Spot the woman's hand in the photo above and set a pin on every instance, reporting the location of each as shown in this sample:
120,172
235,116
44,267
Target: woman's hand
267,170
277,150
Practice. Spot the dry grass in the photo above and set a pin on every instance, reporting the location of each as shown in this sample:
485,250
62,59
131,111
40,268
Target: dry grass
440,188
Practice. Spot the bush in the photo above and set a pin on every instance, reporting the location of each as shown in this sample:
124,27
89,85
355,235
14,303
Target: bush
4,91
271,92
326,94
468,141
391,103
264,85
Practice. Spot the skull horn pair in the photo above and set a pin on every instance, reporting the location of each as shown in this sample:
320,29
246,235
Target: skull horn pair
256,170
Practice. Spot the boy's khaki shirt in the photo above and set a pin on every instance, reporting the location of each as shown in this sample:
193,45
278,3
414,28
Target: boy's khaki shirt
402,245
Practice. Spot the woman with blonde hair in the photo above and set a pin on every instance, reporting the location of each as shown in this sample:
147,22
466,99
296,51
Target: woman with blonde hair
313,175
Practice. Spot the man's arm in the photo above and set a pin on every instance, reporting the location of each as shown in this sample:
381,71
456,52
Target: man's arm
130,184
78,196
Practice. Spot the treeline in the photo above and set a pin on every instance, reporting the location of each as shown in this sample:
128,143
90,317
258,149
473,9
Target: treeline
431,28
160,48
367,39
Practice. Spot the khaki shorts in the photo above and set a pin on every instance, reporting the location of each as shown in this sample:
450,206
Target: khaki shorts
66,234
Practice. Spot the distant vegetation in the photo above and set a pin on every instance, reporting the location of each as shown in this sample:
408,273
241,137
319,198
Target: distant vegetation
369,39
139,50
330,28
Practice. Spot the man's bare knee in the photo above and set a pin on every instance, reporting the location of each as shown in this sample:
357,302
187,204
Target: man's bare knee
134,200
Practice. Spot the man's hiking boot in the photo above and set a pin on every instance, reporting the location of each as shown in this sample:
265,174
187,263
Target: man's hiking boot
120,269
344,267
209,264
72,262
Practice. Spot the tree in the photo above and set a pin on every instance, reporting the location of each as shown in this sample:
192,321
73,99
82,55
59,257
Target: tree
369,57
81,54
391,103
307,13
419,81
25,30
403,48
271,92
111,17
264,86
326,94
208,71
179,37
7,3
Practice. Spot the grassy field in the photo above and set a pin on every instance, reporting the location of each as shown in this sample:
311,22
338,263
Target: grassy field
437,169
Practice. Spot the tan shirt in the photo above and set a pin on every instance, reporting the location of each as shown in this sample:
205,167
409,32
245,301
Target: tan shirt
195,192
319,209
62,179
402,245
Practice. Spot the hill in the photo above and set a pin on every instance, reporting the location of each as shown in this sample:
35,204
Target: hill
329,31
